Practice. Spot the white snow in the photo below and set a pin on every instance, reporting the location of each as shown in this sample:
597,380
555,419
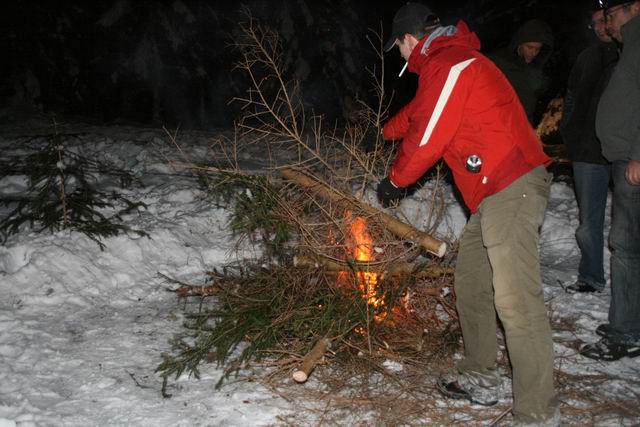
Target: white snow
82,330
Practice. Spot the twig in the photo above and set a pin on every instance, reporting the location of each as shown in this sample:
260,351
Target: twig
501,416
135,380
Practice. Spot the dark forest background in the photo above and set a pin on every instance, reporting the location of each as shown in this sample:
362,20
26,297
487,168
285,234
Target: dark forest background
169,62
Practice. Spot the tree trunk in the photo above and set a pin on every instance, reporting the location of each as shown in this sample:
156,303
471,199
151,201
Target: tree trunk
430,272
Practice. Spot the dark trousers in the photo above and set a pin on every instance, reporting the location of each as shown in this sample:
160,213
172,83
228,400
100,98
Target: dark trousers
591,187
624,238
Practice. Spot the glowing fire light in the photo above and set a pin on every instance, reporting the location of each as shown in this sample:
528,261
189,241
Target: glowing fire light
363,251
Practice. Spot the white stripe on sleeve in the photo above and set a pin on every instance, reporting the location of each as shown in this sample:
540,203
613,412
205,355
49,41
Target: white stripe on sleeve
452,78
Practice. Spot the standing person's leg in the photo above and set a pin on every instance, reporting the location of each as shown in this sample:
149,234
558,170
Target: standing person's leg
591,188
475,377
474,300
621,336
511,221
624,311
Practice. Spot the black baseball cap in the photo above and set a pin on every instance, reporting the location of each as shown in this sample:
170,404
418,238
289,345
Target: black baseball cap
410,18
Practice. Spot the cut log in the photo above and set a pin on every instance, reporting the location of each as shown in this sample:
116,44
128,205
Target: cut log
311,360
429,272
397,227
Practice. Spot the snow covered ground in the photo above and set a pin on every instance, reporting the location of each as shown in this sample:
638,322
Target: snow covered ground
82,330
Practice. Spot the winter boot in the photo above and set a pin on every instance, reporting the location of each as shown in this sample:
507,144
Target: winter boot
581,286
608,351
604,330
482,388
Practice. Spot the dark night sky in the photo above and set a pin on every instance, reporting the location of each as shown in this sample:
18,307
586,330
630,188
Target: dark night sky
168,62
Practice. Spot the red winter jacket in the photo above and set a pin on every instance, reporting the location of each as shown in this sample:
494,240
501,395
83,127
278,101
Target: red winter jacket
464,105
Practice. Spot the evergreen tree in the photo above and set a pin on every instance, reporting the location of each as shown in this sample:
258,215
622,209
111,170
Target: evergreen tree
63,193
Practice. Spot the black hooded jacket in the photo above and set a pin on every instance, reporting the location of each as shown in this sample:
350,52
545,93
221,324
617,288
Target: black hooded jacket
528,80
587,81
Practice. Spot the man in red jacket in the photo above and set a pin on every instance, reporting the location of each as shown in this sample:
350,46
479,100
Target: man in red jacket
466,112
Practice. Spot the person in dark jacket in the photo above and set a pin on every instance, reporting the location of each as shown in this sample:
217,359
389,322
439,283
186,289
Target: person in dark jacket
591,171
523,60
618,127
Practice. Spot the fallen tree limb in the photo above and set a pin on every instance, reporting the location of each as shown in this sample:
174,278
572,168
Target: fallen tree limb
430,272
311,360
397,227
190,290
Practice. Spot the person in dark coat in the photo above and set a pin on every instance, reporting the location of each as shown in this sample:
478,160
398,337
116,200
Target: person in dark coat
591,171
523,60
617,126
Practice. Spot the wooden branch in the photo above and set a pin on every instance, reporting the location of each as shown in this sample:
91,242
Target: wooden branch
397,227
180,166
311,360
202,291
551,118
430,272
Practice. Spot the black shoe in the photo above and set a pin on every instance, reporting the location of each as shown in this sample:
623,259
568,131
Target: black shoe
582,287
453,390
604,330
608,351
474,389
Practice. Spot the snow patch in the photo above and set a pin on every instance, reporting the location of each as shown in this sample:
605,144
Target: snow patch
14,183
82,330
14,258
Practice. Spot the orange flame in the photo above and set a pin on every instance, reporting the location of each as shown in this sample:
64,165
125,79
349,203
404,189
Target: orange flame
363,249
363,252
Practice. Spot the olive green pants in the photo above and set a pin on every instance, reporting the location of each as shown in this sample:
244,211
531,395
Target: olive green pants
498,270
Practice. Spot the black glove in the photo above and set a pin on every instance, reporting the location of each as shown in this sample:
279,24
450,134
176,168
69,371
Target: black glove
388,192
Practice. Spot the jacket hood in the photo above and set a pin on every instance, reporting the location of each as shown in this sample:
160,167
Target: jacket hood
534,30
460,35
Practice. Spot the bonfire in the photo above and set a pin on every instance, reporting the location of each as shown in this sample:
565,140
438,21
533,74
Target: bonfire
338,282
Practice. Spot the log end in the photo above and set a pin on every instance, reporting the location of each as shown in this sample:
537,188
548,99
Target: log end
442,249
300,376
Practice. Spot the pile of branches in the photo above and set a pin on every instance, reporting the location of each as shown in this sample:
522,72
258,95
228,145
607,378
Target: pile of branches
280,314
337,278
